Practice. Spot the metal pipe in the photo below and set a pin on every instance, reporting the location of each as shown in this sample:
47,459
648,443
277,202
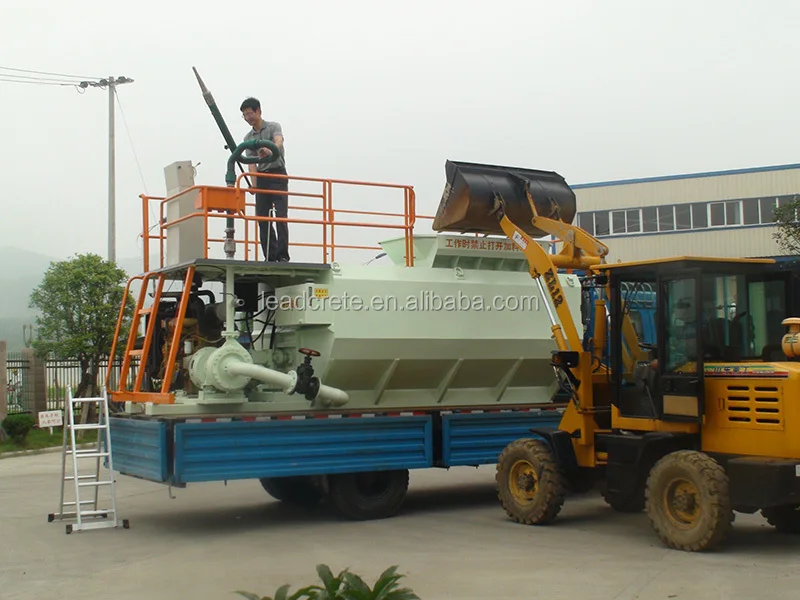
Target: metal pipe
286,381
229,300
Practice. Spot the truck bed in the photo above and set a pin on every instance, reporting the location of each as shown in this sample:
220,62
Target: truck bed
185,450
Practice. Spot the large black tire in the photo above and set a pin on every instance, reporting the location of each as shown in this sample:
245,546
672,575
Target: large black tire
298,491
688,501
785,519
370,495
530,484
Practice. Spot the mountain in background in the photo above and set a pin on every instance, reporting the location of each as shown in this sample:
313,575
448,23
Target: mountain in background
20,272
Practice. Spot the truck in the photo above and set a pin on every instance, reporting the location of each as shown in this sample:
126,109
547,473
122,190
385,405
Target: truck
330,381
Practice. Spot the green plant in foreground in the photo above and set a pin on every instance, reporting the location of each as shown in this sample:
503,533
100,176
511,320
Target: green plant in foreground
345,586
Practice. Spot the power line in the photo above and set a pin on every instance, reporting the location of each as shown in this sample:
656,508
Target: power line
47,73
41,82
130,139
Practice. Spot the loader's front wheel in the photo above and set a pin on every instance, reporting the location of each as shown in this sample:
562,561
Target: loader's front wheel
688,501
530,483
785,519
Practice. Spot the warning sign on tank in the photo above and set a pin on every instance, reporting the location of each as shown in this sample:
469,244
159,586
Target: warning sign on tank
480,244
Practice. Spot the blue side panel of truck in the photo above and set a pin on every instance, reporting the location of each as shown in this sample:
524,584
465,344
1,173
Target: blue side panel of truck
479,438
139,448
247,450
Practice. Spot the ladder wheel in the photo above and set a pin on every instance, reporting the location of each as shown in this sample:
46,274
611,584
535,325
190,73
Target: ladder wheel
125,524
50,518
69,529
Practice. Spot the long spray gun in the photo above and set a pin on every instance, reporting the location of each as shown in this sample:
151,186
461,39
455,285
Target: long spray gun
235,158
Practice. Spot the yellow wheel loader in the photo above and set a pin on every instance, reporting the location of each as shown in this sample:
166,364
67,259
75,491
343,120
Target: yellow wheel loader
700,425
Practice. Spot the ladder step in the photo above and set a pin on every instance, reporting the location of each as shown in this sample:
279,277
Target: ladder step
94,483
72,502
85,454
146,311
81,400
135,352
97,513
71,478
89,426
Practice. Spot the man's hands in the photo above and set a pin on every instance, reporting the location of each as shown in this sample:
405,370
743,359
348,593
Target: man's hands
264,152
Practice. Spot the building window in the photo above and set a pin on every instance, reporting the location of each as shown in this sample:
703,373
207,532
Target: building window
666,218
586,222
725,213
601,226
750,211
649,219
733,213
633,221
767,209
699,215
683,217
618,221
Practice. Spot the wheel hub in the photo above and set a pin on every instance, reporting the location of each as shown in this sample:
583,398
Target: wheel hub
523,481
682,500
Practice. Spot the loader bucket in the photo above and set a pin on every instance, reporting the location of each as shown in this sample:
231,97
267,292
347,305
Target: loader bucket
469,198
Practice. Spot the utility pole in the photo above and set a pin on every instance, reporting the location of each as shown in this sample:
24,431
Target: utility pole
111,83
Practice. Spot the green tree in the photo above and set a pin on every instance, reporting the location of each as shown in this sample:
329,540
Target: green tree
79,301
788,233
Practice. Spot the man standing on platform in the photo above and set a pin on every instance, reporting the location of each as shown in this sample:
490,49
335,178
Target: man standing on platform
277,249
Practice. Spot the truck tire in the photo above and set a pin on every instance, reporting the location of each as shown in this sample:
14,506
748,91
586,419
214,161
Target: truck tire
688,501
785,519
530,484
298,491
369,495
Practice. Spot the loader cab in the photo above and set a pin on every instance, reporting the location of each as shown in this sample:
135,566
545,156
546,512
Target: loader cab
710,316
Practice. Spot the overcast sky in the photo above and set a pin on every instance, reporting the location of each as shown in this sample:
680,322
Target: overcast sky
383,92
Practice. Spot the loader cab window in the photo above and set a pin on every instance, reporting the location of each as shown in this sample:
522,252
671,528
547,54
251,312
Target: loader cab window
681,331
742,317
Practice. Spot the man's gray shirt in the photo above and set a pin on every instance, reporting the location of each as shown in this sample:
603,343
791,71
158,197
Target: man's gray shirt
268,130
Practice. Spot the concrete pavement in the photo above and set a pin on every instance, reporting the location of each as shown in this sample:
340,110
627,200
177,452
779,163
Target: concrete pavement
452,540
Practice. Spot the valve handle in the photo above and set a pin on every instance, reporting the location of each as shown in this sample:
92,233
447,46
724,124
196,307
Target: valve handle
308,352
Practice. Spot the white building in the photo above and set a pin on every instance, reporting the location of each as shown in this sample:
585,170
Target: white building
719,214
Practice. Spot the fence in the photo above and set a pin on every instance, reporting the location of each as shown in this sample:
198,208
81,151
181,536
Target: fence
20,390
59,376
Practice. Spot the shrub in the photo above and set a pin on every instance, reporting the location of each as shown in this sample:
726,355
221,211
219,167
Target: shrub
18,426
344,586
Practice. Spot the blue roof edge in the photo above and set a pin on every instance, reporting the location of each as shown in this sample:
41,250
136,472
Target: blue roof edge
745,171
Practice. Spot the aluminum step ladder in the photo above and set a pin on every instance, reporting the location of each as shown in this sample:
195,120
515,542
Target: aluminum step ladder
84,509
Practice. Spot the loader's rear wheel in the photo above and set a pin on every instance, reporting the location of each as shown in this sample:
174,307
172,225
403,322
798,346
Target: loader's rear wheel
785,519
299,491
370,495
530,484
688,501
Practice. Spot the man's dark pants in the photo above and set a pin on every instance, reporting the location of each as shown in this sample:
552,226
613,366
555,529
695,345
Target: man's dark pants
278,246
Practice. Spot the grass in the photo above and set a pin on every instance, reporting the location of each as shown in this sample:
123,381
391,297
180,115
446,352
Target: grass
38,439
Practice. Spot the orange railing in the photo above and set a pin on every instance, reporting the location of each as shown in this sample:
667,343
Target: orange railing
217,202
